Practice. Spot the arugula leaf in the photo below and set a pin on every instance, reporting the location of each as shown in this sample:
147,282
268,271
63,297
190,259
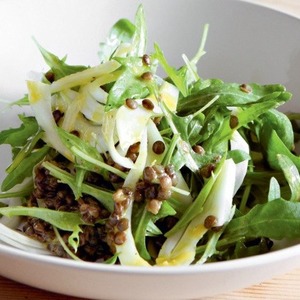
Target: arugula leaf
238,155
230,94
292,176
24,192
182,125
274,190
129,84
87,156
139,39
24,169
175,75
58,66
102,195
17,137
75,143
68,221
276,219
185,76
121,32
20,102
244,116
24,152
141,222
281,124
272,145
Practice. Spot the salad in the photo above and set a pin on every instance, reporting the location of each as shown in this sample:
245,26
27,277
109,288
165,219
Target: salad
117,164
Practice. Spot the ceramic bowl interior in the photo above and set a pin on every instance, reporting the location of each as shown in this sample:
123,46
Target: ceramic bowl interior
246,43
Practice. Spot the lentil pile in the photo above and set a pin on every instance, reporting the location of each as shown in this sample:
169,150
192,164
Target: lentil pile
51,194
106,230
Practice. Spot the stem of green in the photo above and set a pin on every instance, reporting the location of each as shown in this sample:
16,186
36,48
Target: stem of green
63,244
27,149
98,163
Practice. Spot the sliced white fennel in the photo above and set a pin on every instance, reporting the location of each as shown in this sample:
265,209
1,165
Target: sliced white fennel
109,135
238,143
11,222
153,136
83,77
40,99
128,253
130,124
169,95
91,108
217,205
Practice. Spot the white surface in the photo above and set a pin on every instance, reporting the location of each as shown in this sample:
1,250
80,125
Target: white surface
245,43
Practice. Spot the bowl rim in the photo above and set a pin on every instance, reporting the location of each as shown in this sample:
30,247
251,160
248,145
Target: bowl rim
269,6
240,263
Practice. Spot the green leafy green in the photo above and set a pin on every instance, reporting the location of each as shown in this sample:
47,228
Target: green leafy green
174,75
274,190
121,32
104,196
230,94
279,122
129,84
144,219
272,145
77,146
139,39
24,169
292,176
67,221
17,137
276,219
58,66
244,116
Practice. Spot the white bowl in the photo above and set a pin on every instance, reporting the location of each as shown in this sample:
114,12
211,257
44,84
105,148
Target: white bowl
246,43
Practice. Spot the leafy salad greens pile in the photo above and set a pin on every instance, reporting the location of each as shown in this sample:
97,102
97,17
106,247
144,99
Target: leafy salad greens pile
167,171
